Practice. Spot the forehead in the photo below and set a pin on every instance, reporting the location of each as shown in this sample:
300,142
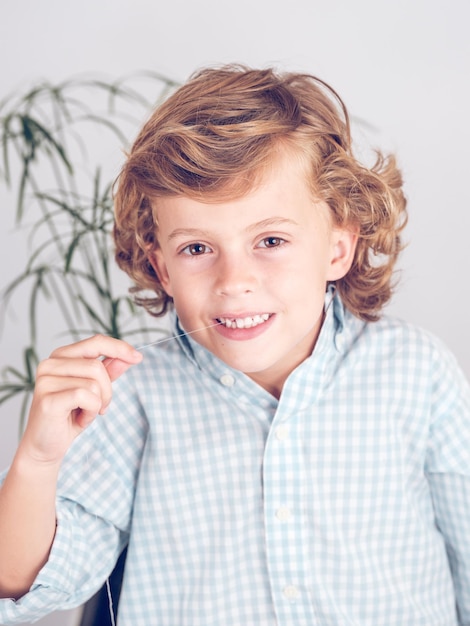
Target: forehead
283,195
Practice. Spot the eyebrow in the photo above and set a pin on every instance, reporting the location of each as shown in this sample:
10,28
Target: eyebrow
272,221
186,232
267,223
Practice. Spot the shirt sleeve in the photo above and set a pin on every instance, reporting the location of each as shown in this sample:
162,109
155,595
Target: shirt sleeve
448,471
94,510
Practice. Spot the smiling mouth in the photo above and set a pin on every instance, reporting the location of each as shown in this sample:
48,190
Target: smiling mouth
244,322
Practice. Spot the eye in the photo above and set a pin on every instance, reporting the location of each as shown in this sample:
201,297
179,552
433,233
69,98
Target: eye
271,242
196,249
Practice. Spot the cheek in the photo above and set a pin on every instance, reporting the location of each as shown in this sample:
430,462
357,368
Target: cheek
186,291
313,268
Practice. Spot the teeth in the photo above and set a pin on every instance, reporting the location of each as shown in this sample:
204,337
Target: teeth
244,322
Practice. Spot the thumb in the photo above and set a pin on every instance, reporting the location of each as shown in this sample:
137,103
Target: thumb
116,367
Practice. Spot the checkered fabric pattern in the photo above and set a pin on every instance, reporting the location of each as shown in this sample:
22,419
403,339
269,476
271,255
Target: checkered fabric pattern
345,503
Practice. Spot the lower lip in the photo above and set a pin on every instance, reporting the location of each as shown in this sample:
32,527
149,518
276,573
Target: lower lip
244,334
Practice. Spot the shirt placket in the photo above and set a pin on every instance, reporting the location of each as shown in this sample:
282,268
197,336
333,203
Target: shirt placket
285,490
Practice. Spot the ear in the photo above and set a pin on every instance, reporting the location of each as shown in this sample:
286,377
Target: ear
157,261
343,247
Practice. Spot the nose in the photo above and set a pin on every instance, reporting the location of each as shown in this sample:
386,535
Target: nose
236,275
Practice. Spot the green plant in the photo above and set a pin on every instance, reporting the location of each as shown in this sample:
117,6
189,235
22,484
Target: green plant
55,142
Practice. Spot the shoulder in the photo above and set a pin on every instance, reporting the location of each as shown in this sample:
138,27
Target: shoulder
411,358
393,347
394,335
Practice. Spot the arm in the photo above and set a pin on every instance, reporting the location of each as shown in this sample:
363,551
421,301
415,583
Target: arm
448,472
72,387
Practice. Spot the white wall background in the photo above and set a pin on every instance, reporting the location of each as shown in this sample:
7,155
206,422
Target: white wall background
403,66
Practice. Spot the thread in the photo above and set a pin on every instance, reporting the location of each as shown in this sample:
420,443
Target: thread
110,603
190,332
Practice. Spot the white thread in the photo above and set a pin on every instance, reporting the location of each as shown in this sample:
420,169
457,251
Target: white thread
110,603
331,293
190,332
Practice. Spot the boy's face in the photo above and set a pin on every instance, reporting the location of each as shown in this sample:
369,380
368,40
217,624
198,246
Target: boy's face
258,265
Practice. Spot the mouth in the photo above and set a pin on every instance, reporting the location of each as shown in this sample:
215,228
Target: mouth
244,322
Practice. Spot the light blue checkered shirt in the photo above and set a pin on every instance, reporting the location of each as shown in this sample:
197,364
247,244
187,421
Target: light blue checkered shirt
346,502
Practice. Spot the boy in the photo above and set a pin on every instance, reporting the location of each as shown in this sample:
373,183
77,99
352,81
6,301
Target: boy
289,458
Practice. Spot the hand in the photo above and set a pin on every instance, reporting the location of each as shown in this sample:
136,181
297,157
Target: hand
72,387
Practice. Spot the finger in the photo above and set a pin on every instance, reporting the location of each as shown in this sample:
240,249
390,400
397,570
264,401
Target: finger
103,370
80,367
99,346
59,371
49,385
68,402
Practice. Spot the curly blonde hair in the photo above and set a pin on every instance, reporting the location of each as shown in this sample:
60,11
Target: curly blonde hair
215,137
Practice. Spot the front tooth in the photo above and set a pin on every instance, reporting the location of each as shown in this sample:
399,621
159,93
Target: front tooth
246,322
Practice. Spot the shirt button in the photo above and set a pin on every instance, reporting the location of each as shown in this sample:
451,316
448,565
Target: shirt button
227,380
283,514
291,592
282,432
